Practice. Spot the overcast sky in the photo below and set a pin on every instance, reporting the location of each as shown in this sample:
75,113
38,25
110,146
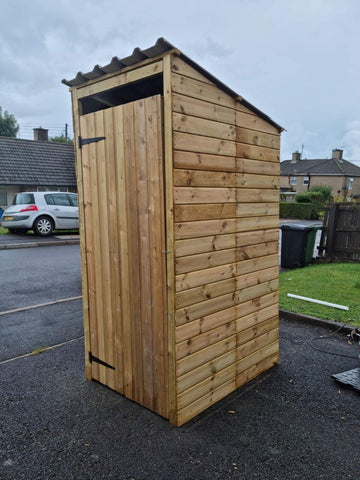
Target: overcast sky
296,60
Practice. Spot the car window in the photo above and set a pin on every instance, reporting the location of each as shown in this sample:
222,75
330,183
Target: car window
73,200
57,199
23,199
49,199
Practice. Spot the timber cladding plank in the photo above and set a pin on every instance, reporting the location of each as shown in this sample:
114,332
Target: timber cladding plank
205,228
201,90
196,278
203,261
268,328
203,161
194,195
204,364
221,242
144,331
212,305
169,225
248,120
216,288
196,178
204,127
245,315
183,68
186,213
157,298
246,136
244,150
255,363
197,343
88,263
197,108
133,385
245,165
203,144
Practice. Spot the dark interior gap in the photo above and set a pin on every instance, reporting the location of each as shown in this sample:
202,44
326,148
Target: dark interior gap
130,92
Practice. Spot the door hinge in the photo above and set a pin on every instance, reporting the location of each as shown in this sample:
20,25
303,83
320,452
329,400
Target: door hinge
92,358
86,141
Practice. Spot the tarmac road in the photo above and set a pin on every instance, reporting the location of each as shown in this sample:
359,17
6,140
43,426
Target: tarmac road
293,422
37,275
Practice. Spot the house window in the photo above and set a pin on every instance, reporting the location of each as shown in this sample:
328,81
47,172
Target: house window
306,180
349,183
3,199
292,180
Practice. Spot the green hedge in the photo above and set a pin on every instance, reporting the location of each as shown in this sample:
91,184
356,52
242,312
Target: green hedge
302,211
316,199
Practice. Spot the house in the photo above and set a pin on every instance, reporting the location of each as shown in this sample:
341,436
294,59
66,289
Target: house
298,175
35,165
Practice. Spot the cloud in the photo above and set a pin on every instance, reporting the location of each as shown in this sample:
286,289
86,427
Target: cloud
351,141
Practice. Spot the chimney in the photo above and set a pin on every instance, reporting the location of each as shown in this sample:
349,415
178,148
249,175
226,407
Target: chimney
296,157
41,134
337,153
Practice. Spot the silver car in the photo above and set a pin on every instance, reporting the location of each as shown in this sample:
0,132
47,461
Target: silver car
42,212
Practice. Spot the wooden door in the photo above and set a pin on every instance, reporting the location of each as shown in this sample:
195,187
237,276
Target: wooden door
124,254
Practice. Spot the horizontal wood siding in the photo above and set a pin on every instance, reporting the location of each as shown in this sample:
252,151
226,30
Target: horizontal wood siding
226,194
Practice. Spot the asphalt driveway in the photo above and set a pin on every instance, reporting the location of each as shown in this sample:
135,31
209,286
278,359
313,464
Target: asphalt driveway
293,422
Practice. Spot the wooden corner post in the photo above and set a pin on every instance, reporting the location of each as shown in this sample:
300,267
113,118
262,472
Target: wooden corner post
170,244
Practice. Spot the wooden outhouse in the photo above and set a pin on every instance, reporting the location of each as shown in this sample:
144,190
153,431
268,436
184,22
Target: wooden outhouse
178,182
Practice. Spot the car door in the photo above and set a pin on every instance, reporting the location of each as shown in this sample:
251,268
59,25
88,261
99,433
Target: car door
62,208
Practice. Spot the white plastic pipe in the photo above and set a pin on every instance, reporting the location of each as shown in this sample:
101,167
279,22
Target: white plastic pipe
313,300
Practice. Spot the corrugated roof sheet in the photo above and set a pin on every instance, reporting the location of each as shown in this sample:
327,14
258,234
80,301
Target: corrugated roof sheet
160,48
30,162
327,166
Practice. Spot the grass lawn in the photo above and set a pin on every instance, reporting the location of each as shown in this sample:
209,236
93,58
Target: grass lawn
332,282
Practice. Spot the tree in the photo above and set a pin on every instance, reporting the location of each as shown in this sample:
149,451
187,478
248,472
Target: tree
62,139
8,124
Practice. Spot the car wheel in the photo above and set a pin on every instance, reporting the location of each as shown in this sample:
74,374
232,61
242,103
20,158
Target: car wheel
43,226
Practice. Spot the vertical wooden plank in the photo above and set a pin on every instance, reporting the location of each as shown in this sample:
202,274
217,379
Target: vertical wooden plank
89,172
78,121
110,254
144,348
98,180
157,257
170,243
133,248
124,372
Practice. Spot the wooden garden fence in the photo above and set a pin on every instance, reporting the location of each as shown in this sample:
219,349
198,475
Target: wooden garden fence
340,238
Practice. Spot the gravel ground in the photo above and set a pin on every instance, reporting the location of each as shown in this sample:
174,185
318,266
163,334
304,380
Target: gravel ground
293,422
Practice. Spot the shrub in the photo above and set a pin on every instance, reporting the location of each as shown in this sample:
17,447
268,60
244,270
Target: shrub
302,211
303,197
315,199
325,190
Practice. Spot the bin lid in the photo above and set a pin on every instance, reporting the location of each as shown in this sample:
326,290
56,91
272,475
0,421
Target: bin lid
296,226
